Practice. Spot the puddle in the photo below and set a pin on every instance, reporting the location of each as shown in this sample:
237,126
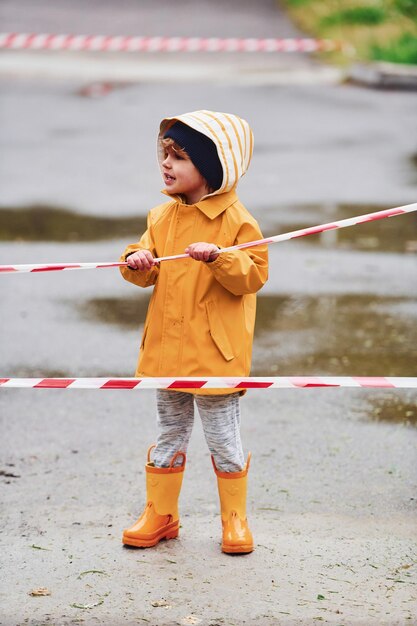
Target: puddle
24,371
347,335
44,223
396,234
392,409
128,313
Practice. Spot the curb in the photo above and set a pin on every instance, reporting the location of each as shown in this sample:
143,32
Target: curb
212,69
384,75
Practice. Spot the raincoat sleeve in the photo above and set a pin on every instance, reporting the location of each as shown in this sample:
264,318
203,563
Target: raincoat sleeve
147,242
242,271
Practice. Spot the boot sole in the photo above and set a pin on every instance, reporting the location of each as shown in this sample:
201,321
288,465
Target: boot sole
141,542
245,549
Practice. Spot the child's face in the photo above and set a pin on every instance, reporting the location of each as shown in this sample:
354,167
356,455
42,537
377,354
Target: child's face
181,176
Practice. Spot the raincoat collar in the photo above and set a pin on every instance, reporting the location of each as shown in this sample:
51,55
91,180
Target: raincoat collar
212,206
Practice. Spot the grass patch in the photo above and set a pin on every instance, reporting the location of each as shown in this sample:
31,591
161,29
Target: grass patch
298,3
365,15
402,50
375,30
406,7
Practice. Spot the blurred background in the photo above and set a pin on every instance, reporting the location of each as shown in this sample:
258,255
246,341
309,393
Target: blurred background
79,173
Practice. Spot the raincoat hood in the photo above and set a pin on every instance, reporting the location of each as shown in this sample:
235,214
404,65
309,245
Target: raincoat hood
231,135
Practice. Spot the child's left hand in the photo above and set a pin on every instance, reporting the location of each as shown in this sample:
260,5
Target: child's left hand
203,251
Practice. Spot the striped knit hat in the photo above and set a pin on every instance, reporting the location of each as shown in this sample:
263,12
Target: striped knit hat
231,135
201,150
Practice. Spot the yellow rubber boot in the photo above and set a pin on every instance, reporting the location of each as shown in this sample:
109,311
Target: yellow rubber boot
237,538
160,519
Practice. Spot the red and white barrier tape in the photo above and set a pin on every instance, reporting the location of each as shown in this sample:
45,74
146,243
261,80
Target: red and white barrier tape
281,382
103,43
312,230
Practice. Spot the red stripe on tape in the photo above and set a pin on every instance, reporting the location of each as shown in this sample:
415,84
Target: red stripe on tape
307,385
253,385
317,229
311,382
187,384
7,268
28,41
10,39
54,383
87,41
67,40
50,40
52,268
373,381
120,384
3,380
381,215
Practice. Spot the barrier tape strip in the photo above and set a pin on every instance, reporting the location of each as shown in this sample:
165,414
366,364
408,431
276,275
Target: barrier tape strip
281,382
103,43
313,230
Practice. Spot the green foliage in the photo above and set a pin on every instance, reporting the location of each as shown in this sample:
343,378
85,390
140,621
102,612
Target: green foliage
402,50
300,3
406,7
356,16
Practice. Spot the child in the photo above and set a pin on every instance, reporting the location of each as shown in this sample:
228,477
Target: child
201,315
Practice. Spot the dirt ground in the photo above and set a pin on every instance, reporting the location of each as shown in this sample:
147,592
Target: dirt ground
332,505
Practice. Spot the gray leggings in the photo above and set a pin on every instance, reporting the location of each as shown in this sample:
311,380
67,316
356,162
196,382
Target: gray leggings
220,417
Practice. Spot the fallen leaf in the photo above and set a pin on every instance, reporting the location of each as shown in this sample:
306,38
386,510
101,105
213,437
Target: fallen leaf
75,605
93,571
40,591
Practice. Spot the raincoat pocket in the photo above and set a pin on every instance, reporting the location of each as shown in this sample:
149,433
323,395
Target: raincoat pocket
218,332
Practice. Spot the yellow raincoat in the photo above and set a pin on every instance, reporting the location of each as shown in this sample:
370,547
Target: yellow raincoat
201,316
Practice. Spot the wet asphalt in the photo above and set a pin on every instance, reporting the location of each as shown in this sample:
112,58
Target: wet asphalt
333,481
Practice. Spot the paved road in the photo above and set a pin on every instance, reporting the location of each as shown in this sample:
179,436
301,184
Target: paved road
313,144
229,18
333,481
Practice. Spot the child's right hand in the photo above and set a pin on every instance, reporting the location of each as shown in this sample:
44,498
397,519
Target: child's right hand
140,260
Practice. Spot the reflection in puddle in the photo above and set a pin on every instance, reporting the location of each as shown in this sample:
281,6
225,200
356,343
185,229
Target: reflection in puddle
127,313
42,223
392,408
397,234
347,335
343,335
27,371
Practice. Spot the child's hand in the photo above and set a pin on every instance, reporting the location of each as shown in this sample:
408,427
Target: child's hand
140,260
202,251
